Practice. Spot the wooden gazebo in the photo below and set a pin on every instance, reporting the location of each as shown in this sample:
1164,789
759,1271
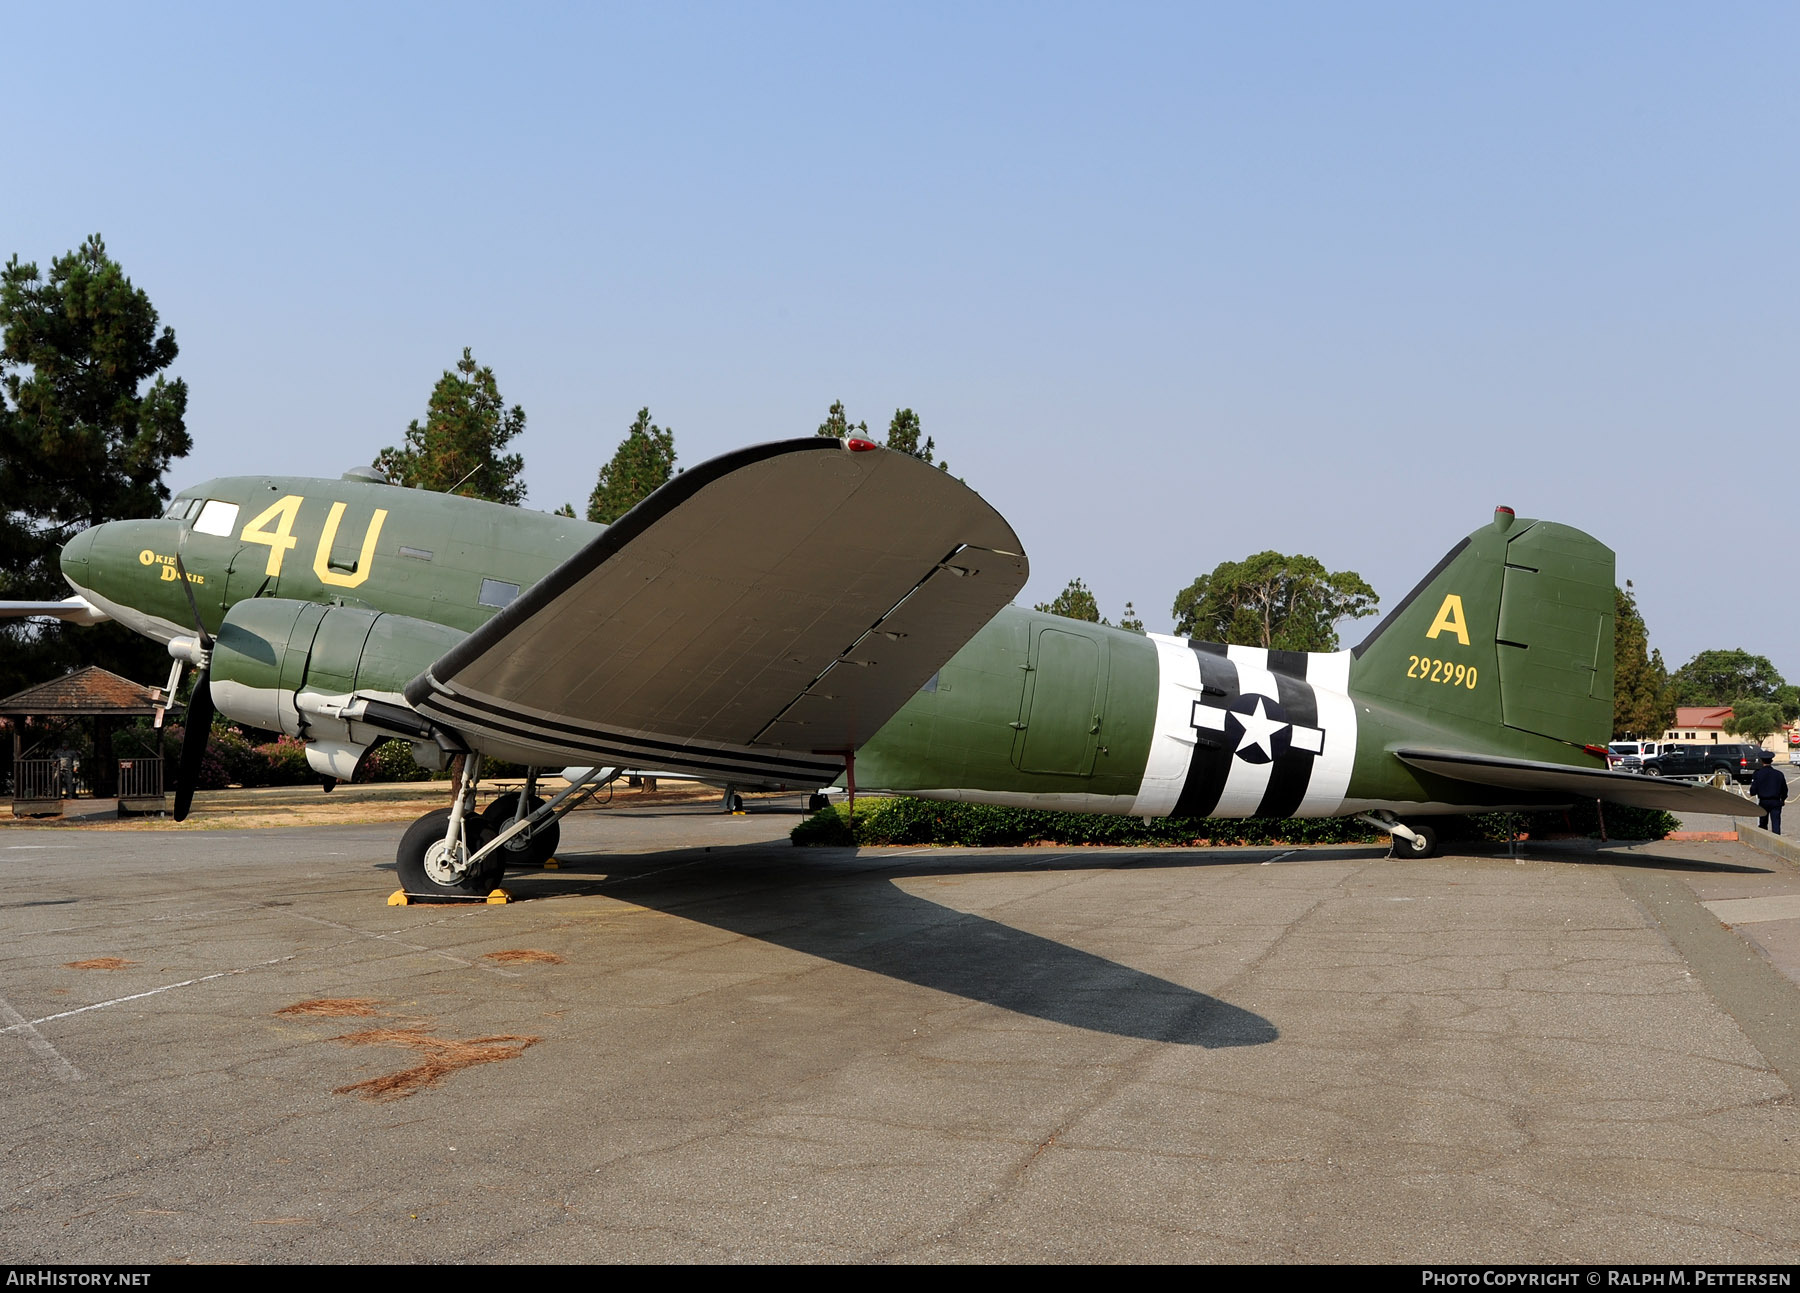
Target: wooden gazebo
99,694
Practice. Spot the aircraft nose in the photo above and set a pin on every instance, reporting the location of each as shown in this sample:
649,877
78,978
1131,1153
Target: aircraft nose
77,556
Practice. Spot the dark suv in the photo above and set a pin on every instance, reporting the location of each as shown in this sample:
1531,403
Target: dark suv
1704,760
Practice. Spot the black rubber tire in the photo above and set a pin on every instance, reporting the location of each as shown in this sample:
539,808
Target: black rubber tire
817,803
1651,770
410,861
735,804
1416,850
537,850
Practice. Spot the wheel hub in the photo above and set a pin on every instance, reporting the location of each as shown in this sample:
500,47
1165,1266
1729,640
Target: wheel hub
444,863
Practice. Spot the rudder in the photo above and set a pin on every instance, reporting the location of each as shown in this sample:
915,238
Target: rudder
1513,628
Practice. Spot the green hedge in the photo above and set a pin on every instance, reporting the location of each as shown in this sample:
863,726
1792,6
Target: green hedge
925,821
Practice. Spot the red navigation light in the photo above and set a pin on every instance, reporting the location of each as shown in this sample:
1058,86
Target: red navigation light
1504,508
856,445
1598,751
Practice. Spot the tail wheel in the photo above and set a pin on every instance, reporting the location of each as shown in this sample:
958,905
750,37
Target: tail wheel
429,868
817,803
520,850
1424,846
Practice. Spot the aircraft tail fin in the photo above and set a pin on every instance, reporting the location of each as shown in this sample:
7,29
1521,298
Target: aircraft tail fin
1513,627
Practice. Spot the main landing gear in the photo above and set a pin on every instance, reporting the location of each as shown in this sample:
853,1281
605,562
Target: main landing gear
1415,841
456,852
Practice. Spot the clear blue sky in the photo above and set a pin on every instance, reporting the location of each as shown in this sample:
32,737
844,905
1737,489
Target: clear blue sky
1168,284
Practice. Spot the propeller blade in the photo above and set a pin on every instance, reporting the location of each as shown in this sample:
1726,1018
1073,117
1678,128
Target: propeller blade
206,641
193,742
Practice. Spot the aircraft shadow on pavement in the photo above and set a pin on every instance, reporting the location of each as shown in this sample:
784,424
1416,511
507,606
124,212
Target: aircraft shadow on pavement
857,915
1620,853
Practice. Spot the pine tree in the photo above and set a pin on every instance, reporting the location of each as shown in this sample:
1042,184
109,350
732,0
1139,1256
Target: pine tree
644,462
837,424
1643,699
903,437
1074,602
457,450
81,442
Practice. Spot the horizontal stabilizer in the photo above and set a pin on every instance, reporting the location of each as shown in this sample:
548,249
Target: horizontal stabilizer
1579,783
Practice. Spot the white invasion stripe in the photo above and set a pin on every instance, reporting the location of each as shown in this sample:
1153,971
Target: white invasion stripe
42,1049
1172,739
1330,679
1247,783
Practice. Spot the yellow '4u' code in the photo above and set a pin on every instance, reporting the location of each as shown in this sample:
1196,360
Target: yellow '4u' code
1425,669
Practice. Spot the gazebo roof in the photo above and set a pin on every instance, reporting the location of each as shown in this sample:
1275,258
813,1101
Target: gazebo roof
85,692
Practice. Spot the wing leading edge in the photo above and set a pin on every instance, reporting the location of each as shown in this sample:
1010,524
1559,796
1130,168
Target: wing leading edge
1579,783
756,618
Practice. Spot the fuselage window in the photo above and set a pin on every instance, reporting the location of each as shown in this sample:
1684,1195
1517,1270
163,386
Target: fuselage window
497,592
217,517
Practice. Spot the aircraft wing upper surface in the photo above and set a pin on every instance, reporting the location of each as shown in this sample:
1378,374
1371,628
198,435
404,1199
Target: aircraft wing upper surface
1631,788
757,617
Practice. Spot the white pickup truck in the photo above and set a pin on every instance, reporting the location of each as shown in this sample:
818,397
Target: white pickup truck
1629,756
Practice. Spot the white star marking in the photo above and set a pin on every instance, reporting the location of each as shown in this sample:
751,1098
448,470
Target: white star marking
1258,728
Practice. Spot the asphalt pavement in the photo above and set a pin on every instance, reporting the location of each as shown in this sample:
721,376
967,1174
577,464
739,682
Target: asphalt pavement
697,1042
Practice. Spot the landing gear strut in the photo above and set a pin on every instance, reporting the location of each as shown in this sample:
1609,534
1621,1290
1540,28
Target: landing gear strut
531,845
1415,841
441,855
458,853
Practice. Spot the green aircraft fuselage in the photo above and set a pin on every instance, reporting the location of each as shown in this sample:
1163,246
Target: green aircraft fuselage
1505,649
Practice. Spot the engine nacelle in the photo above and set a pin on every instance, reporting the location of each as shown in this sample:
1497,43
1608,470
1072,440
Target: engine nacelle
331,675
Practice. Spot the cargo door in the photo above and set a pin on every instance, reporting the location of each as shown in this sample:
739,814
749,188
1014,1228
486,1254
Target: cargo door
1060,713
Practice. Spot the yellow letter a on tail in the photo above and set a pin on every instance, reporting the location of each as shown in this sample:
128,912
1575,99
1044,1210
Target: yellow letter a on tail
1450,619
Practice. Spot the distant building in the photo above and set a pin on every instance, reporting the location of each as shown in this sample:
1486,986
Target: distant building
1707,723
1699,723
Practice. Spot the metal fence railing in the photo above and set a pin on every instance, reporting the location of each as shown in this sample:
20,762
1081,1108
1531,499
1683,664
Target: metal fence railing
140,784
39,787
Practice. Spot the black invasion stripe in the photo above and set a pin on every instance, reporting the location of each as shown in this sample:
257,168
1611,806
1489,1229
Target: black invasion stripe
481,712
1290,774
1212,759
639,756
570,751
464,712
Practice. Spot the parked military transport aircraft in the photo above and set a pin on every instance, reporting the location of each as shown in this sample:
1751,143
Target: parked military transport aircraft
813,610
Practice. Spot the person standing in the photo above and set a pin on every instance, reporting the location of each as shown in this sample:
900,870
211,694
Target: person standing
1769,789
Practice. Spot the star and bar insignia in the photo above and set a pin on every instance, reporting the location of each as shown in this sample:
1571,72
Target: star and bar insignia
1257,727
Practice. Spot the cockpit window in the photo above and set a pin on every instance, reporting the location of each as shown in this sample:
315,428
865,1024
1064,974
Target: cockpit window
181,508
217,517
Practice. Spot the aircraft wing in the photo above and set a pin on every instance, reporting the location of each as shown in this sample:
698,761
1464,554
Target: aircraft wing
76,610
1631,788
756,618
